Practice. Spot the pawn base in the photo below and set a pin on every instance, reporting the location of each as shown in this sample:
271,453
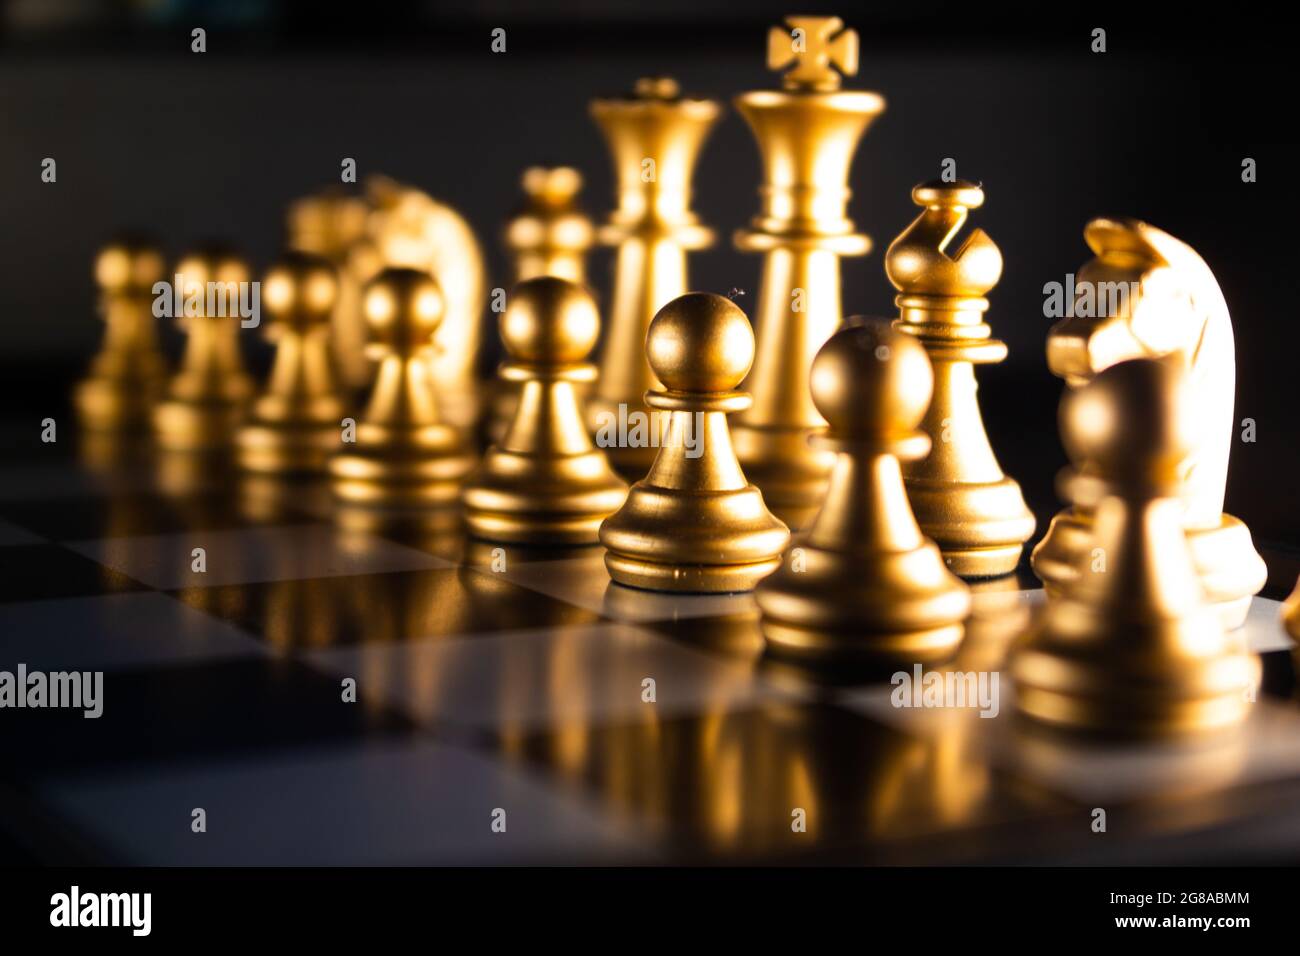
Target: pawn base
1230,570
687,578
896,607
1067,675
186,426
855,646
525,499
283,450
536,529
109,405
402,482
670,539
981,528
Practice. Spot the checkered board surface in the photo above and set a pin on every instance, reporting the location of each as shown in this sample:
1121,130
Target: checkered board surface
521,689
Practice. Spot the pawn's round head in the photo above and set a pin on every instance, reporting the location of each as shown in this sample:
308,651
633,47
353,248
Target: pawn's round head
212,263
129,264
871,381
700,342
1134,423
300,288
550,321
403,308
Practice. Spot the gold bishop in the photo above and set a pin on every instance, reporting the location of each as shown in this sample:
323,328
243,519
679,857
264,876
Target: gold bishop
974,512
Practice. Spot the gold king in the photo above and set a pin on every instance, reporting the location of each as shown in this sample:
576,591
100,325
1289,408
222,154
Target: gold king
807,133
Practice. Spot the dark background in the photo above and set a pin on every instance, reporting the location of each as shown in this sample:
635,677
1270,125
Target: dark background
147,134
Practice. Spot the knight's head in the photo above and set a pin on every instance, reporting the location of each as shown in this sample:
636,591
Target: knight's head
1149,295
1144,294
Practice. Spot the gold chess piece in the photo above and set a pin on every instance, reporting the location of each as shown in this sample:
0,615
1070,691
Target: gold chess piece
329,224
394,224
694,523
545,482
1131,646
207,397
807,133
654,137
129,374
1149,294
1291,613
862,583
295,424
960,496
549,235
404,456
410,228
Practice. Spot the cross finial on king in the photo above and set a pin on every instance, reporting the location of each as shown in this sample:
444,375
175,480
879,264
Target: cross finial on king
816,46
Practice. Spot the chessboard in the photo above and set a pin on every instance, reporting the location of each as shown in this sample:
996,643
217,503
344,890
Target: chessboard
321,694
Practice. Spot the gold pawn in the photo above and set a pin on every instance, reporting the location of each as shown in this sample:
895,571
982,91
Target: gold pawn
863,584
207,397
407,228
544,482
549,235
129,374
807,134
404,456
1131,646
329,224
1149,294
294,425
654,137
694,523
961,498
1291,613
